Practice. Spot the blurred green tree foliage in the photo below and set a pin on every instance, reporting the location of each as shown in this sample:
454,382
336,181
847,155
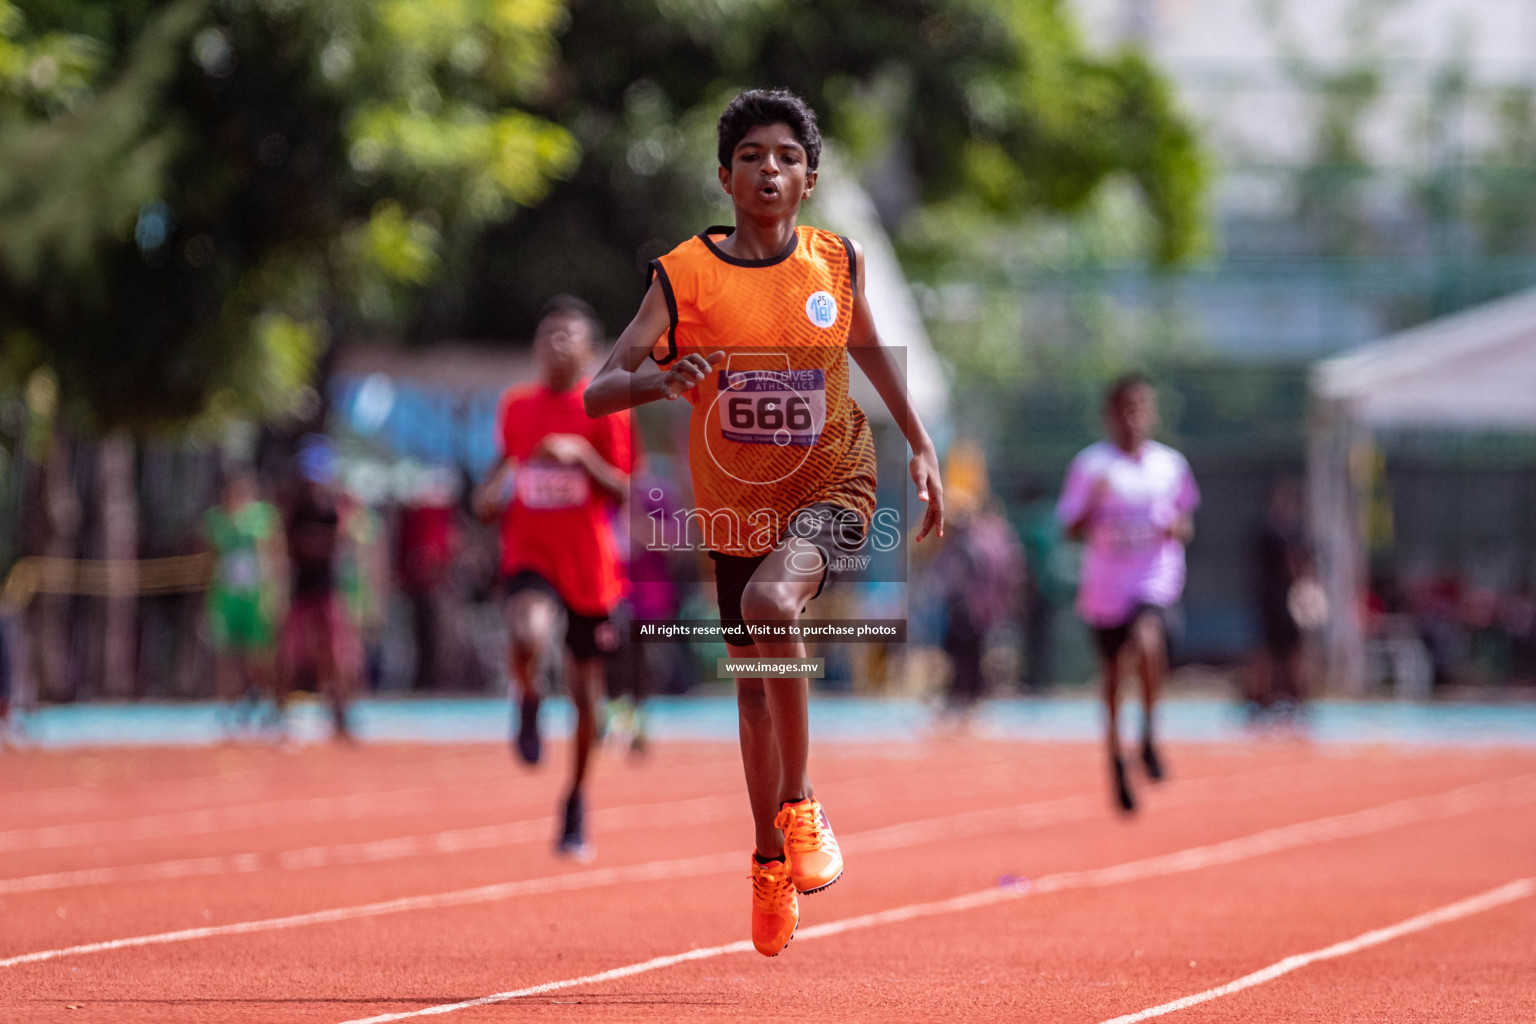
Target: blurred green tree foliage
995,106
195,194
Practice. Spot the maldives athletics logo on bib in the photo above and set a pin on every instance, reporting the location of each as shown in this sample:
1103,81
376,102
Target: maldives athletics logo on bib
821,310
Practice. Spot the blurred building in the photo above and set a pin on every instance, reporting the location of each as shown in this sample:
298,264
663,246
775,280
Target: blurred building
1372,167
1368,158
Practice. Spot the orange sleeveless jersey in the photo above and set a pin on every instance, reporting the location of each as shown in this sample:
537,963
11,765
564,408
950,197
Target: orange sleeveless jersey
773,428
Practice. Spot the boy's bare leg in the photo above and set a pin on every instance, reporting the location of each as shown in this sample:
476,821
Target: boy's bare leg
1152,659
333,680
282,686
1123,795
229,680
780,587
531,620
586,676
285,667
226,677
759,756
1110,668
263,673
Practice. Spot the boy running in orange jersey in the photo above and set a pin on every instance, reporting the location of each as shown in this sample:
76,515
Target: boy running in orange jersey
558,558
755,324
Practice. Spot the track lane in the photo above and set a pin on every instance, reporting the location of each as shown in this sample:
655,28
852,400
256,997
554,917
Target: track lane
1040,958
91,916
418,954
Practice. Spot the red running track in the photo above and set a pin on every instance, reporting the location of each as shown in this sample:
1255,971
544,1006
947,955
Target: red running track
1260,883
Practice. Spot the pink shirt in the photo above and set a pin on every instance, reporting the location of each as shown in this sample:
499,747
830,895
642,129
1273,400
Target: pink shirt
1131,501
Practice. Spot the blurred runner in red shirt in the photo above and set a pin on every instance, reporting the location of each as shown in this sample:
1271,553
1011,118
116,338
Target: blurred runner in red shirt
559,558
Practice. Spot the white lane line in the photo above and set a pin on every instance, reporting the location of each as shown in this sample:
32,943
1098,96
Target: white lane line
1030,815
163,795
328,809
292,812
1302,834
59,801
448,841
1023,816
485,837
1516,890
652,871
305,810
644,967
690,812
1468,798
216,819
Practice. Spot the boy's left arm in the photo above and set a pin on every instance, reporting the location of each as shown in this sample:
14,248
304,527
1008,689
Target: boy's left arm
874,359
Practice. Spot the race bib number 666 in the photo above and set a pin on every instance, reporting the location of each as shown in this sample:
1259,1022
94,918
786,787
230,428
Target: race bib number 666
777,407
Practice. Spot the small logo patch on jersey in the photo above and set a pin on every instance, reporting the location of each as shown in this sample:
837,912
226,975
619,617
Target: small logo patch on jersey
821,310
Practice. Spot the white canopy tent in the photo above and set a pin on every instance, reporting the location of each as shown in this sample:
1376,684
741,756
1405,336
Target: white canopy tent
1475,370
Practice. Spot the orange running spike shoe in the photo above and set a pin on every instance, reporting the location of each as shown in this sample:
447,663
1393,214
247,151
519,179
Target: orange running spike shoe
775,907
810,848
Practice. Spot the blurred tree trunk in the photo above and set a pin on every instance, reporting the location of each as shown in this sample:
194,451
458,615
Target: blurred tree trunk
59,530
119,546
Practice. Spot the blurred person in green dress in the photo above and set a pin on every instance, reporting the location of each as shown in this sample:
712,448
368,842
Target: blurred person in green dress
244,536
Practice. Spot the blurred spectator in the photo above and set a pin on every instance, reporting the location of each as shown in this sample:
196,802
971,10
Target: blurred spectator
318,634
1488,639
1437,607
1045,589
1520,620
363,578
1282,570
473,589
979,571
1395,650
427,544
1441,630
244,600
649,594
5,675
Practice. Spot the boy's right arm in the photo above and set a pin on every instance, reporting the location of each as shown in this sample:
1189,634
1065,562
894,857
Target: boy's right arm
625,381
1081,497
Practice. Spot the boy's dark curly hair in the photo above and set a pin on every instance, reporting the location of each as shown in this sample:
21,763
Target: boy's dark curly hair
769,106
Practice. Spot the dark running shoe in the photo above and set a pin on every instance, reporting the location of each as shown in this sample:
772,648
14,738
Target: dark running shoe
1153,763
573,843
1123,795
528,745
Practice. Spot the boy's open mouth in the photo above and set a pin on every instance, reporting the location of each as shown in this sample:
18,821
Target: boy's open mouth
769,190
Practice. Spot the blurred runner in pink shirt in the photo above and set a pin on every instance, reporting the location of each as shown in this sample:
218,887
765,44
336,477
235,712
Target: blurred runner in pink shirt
1130,500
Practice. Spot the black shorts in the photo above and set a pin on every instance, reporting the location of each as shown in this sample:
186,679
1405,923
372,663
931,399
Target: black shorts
586,636
835,530
1109,639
